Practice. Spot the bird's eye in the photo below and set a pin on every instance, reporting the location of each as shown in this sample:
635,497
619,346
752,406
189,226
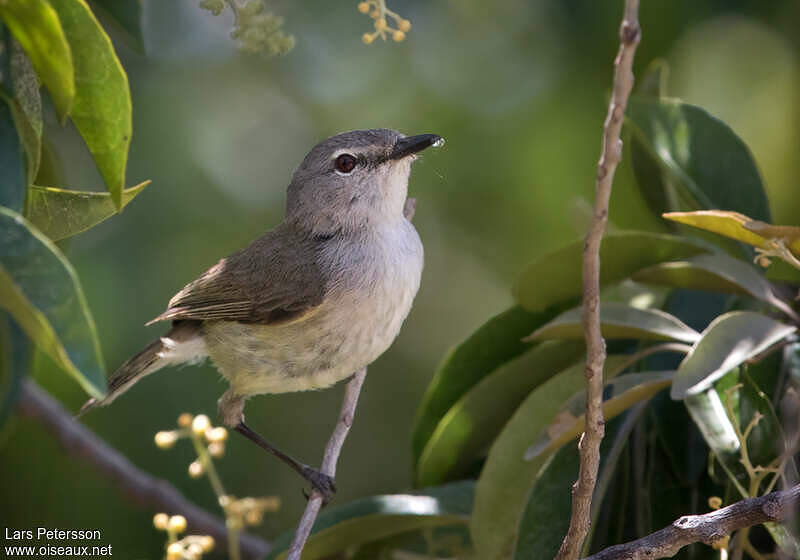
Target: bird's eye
345,163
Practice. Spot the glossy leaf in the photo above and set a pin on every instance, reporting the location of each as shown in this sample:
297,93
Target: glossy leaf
729,341
127,15
618,320
15,353
717,273
102,109
377,517
556,277
12,165
27,108
700,155
61,213
738,226
496,342
465,433
506,478
36,25
41,291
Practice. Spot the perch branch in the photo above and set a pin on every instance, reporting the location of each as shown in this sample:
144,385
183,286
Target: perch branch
332,451
629,34
707,528
137,485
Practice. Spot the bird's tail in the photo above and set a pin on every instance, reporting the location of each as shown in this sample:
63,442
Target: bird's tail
183,343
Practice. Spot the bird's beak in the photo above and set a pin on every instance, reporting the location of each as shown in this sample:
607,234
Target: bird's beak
413,144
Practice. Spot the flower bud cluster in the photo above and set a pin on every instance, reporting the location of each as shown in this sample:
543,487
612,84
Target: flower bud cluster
377,10
190,547
256,30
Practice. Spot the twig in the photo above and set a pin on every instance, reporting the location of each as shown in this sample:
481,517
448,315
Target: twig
707,528
589,445
332,451
137,485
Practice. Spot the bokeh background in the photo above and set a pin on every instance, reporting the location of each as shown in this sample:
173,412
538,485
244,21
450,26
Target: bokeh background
518,89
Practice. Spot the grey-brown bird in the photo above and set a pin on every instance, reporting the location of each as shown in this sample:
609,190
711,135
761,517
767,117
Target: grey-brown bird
314,300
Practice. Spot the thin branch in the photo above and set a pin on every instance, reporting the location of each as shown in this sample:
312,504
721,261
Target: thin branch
139,486
589,445
332,450
707,528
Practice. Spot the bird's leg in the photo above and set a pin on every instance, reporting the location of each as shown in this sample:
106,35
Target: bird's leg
231,409
322,482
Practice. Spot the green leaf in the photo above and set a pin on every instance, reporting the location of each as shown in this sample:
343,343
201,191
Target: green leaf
700,155
493,344
619,395
12,166
39,288
465,433
377,517
15,353
618,320
727,343
102,110
127,15
716,273
27,108
506,478
556,278
36,26
61,213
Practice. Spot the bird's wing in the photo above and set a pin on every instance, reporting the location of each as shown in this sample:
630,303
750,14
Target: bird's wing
274,280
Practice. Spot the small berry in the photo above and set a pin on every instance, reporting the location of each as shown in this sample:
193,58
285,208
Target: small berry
165,440
185,420
207,543
380,24
363,7
225,501
200,424
194,550
367,38
161,521
398,35
216,449
404,25
196,469
177,523
218,434
715,502
253,517
175,551
374,14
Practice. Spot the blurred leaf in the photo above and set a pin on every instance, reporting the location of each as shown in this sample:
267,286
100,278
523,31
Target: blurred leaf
505,481
546,518
127,15
15,353
716,273
618,396
40,289
618,320
556,277
27,108
36,26
737,226
765,441
61,213
729,341
494,343
465,433
12,166
102,110
700,155
654,82
377,517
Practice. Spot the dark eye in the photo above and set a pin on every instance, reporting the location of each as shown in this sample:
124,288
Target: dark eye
345,163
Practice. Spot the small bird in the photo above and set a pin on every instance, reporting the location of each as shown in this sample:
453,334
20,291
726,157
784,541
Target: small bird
312,301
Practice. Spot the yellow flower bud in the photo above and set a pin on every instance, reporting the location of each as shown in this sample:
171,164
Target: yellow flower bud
165,440
380,24
398,35
225,501
200,424
216,449
177,523
206,543
363,7
175,551
715,502
253,517
404,25
160,521
185,420
367,38
196,469
194,550
218,434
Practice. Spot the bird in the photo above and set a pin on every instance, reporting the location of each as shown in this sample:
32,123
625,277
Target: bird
312,301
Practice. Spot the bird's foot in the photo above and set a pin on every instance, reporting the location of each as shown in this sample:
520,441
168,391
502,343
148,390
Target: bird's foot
320,482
